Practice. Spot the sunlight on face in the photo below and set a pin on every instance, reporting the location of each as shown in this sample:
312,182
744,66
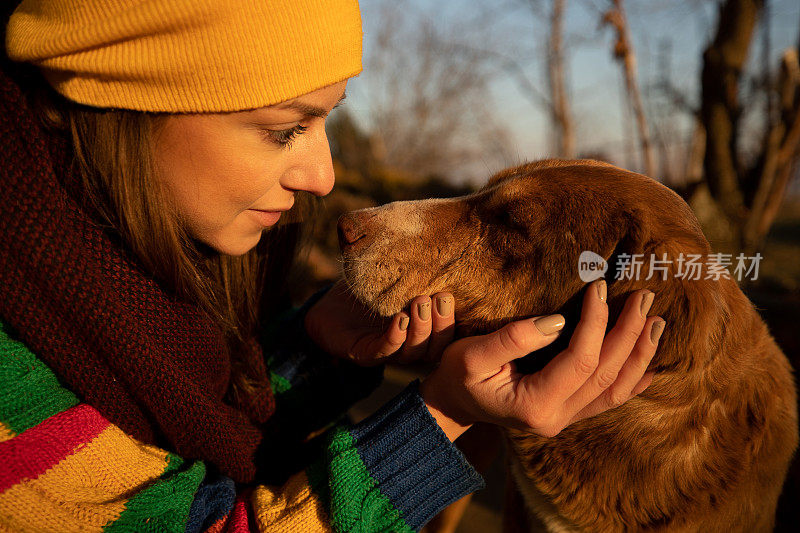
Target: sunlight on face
230,175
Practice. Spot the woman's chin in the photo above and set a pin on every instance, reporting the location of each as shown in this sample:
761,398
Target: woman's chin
233,245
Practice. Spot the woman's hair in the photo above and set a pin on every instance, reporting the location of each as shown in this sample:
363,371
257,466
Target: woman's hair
113,156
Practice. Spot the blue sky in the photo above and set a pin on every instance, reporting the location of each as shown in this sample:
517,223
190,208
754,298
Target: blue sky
594,77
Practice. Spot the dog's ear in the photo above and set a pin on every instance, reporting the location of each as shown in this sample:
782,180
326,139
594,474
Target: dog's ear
565,291
629,241
696,307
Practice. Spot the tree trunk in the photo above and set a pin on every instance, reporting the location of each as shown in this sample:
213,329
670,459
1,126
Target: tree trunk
561,117
623,51
782,151
749,197
723,62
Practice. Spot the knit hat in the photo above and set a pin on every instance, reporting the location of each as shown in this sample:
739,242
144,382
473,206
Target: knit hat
187,55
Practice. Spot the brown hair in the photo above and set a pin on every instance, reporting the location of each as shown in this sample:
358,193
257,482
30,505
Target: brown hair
114,159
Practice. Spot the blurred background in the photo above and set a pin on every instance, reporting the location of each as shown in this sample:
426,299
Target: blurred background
702,95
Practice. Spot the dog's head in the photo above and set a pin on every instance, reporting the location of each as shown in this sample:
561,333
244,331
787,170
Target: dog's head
512,249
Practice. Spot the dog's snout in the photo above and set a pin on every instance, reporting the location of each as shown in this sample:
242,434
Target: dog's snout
351,232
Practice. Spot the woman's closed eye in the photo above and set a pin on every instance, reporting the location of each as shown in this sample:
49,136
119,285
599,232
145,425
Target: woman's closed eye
285,137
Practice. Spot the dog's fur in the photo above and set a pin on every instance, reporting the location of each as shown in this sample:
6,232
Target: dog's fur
706,447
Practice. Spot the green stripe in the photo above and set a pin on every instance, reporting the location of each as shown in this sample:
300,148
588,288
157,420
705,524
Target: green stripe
164,505
174,464
353,498
279,383
317,474
29,391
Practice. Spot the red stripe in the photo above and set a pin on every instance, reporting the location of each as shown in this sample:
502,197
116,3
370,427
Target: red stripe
237,519
37,449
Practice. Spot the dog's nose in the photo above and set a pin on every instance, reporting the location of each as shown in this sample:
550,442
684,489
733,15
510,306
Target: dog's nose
351,232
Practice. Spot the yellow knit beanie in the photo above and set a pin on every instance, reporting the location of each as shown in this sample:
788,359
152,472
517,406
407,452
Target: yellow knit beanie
187,55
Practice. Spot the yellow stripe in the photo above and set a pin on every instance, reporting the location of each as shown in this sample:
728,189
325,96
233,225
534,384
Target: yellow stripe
86,490
291,508
6,433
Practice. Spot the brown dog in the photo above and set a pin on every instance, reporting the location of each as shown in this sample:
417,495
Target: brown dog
706,447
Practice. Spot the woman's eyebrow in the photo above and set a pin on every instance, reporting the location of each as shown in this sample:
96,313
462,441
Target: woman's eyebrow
310,110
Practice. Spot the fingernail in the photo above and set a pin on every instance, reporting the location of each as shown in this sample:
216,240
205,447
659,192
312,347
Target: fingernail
601,290
548,325
656,330
647,301
424,310
403,323
444,306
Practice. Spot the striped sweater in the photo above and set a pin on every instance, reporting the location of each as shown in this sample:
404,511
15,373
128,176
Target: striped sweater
64,467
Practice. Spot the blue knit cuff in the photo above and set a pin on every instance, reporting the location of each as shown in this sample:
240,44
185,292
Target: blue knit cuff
412,460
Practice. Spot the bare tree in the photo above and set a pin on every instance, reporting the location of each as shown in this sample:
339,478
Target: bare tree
748,195
553,100
624,53
429,97
560,115
780,157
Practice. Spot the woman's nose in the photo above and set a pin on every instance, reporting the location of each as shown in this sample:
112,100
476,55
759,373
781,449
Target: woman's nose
313,171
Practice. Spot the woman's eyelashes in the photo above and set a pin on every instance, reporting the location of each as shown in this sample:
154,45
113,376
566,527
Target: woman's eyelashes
285,137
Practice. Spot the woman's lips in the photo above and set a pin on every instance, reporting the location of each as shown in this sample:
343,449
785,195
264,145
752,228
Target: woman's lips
266,218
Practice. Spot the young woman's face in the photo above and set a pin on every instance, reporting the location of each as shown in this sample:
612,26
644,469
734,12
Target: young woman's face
231,175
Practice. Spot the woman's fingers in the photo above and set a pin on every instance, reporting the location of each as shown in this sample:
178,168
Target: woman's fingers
633,377
570,369
374,348
419,330
616,347
442,326
512,341
629,382
643,383
430,326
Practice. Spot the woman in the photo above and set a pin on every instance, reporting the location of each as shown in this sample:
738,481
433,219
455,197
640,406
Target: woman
151,208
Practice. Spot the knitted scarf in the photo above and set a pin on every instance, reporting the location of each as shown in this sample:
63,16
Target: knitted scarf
70,290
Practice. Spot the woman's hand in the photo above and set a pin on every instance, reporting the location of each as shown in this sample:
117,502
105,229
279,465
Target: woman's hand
343,327
477,381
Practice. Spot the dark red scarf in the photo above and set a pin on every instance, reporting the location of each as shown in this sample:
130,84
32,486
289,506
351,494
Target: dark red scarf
156,367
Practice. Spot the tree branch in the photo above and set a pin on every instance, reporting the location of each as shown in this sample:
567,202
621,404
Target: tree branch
623,51
723,62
